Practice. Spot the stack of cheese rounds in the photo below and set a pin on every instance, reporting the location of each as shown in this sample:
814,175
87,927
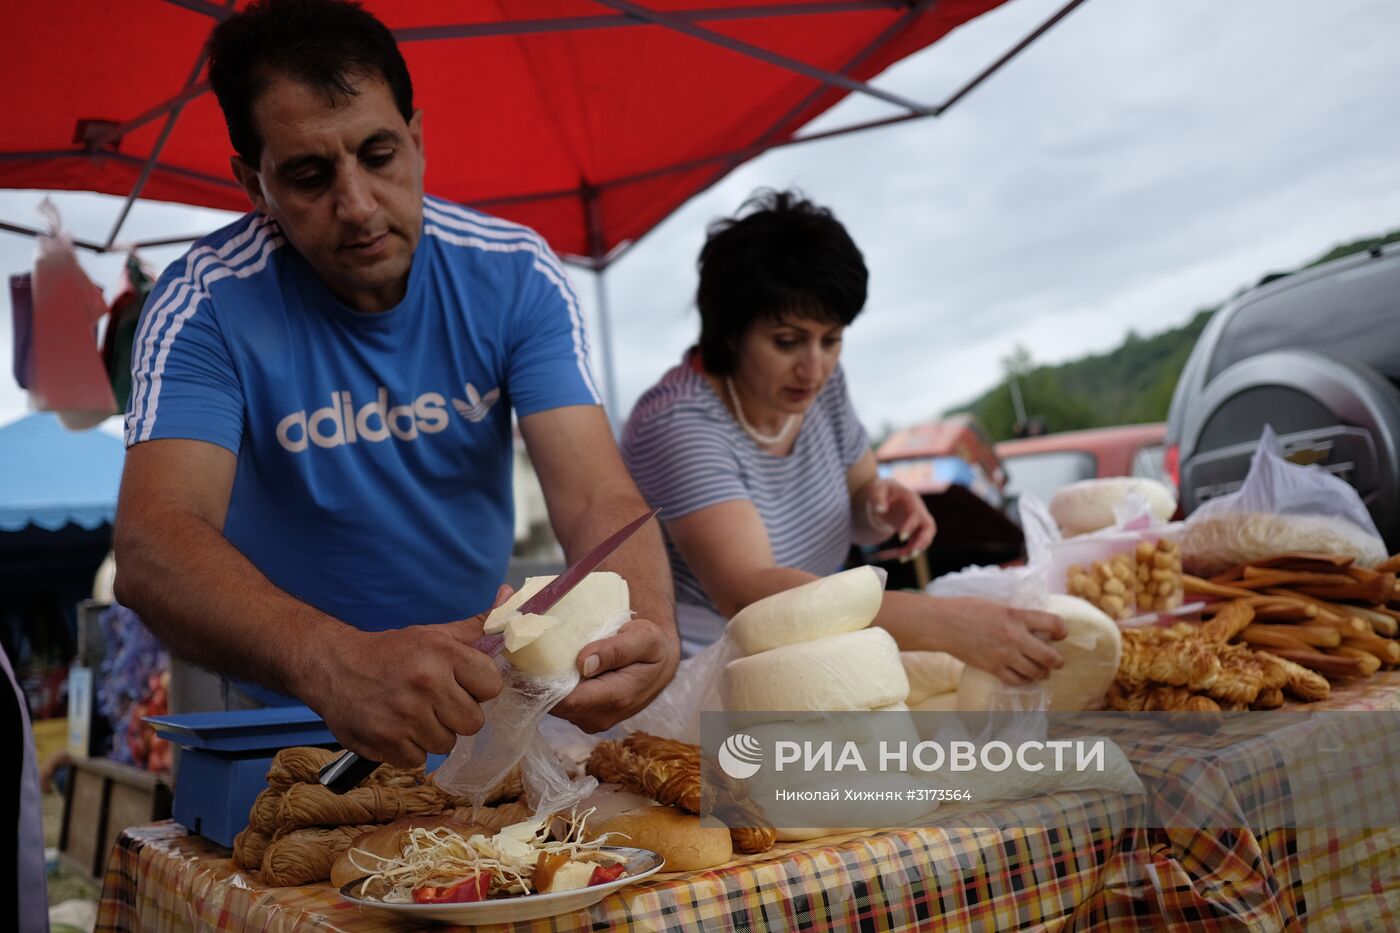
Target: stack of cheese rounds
812,650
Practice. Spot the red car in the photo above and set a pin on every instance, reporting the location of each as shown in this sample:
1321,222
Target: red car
1041,465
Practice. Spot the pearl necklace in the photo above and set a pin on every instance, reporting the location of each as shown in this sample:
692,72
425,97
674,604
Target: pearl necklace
767,440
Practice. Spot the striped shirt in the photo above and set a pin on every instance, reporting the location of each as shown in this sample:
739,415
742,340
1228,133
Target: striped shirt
686,452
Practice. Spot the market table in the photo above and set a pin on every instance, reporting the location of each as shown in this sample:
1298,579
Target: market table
1274,854
1066,861
1070,861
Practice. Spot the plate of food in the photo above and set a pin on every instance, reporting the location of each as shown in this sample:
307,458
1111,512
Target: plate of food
445,874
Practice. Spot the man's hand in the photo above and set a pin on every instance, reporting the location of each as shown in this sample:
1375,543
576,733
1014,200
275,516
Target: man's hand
1009,643
621,675
397,696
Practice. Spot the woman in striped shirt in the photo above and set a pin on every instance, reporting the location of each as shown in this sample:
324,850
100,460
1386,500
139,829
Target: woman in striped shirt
764,474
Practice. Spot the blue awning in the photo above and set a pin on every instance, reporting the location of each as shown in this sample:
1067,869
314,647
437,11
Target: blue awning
51,477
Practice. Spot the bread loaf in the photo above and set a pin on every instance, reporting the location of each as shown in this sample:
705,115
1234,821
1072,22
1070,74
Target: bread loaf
677,837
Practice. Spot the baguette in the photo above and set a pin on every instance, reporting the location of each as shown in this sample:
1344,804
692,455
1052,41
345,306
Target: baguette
1384,648
1268,636
1329,666
1377,590
1317,636
1198,587
1369,662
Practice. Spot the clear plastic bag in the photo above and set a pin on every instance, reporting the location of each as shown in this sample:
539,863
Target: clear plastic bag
512,736
1282,507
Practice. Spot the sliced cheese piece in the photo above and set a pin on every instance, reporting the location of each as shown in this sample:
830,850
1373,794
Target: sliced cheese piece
522,630
600,594
1091,652
843,602
852,671
548,645
571,877
930,673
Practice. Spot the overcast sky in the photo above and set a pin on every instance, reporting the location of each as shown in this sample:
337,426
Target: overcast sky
1140,161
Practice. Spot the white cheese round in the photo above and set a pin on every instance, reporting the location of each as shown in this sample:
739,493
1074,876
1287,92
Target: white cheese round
1091,652
930,673
1088,504
548,645
843,602
852,671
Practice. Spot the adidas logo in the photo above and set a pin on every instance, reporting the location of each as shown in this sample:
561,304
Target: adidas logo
476,406
341,422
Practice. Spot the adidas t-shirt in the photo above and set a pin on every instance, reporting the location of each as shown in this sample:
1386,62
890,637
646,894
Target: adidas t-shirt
374,450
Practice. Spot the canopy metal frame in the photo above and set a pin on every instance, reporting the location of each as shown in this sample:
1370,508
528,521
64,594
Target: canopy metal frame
690,22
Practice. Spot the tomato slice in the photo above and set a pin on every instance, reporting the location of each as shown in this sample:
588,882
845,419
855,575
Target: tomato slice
602,874
469,889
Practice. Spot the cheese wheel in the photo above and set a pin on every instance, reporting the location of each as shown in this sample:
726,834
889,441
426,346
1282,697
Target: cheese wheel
930,673
1088,504
842,602
677,837
853,671
548,645
1091,652
938,703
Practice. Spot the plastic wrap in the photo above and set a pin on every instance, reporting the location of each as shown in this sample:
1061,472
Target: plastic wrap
511,736
1281,508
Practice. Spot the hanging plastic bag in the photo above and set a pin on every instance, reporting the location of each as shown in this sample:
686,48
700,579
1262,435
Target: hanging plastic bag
68,375
512,736
124,316
1281,508
22,326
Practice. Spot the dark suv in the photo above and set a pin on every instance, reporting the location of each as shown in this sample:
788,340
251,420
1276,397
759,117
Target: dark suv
1315,354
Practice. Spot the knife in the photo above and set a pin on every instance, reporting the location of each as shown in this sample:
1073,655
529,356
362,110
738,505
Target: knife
349,770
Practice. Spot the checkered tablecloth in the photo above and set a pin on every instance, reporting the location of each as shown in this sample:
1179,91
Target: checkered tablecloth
1248,870
1081,861
1068,862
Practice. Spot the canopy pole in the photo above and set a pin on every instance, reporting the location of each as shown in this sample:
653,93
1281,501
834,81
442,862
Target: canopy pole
598,254
154,157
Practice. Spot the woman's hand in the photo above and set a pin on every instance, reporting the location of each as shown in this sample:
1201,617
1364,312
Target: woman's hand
891,509
1012,644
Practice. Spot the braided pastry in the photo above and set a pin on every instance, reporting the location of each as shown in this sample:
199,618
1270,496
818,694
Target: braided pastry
248,848
665,770
1174,661
305,856
315,805
1305,684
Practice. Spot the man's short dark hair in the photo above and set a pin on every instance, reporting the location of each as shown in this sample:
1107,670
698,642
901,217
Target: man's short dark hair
326,45
779,256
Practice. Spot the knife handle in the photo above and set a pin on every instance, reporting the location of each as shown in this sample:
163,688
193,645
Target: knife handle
346,772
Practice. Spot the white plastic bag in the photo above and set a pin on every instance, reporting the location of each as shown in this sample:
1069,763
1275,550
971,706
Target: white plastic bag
1282,507
511,736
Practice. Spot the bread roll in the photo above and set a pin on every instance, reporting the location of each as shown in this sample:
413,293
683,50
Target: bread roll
388,841
677,837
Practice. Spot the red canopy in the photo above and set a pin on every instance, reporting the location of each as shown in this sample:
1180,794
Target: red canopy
589,120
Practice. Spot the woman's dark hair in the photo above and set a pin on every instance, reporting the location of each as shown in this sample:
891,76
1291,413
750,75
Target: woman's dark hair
780,255
327,45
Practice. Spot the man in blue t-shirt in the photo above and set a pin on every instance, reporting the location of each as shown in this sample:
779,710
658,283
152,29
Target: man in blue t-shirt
317,487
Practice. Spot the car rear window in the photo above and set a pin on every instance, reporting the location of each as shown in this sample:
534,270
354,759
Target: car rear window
1042,474
1352,315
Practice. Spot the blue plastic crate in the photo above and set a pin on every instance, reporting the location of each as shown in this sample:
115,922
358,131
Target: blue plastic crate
224,760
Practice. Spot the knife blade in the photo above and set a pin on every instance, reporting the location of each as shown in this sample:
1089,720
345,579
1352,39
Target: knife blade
349,770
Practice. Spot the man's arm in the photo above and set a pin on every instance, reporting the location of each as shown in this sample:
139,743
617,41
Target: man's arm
390,696
590,495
